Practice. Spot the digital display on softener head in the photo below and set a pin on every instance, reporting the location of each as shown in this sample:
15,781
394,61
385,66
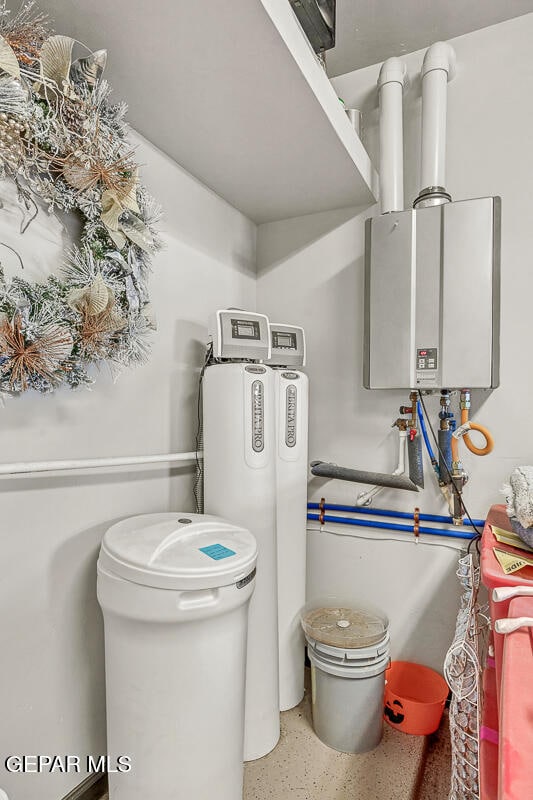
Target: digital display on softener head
245,329
284,339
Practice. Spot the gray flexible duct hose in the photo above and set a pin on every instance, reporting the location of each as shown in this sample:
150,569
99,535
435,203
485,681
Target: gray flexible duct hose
324,470
445,455
416,463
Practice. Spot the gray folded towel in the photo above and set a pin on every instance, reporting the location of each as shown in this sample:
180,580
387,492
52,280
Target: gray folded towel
519,495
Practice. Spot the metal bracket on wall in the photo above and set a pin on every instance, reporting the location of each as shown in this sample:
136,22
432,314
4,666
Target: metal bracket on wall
317,18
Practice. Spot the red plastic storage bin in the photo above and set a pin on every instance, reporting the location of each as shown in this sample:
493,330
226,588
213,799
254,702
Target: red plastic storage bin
516,708
489,737
492,576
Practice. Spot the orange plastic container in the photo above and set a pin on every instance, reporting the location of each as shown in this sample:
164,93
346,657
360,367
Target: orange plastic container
414,698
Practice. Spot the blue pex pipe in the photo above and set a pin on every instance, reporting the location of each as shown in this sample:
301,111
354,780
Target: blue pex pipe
424,431
381,512
391,526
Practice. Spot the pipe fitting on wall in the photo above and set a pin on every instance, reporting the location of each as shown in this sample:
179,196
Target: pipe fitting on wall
465,399
432,196
445,413
455,501
400,423
393,70
406,410
440,55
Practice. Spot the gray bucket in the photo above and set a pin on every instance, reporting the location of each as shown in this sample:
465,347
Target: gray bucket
347,695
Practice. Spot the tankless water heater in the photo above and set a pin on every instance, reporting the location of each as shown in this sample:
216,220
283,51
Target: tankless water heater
432,297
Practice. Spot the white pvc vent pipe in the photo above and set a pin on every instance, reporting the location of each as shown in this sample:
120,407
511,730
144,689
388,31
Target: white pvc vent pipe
31,467
438,68
390,85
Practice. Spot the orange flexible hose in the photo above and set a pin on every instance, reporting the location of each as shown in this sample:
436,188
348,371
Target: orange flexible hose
455,450
489,441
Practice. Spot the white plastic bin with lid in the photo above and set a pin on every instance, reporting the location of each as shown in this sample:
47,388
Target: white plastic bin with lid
174,590
349,653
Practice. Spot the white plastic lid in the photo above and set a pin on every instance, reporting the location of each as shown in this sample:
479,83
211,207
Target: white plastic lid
178,551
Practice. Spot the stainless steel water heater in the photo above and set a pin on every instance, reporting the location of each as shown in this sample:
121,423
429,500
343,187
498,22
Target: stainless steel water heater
432,297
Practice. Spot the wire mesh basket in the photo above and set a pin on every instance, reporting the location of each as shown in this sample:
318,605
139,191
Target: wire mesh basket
462,669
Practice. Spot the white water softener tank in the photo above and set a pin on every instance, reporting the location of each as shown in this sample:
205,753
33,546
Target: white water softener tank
240,483
292,399
174,590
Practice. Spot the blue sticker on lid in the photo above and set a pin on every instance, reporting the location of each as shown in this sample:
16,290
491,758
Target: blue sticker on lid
217,551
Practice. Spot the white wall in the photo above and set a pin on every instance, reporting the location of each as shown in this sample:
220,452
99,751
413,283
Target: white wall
311,273
51,663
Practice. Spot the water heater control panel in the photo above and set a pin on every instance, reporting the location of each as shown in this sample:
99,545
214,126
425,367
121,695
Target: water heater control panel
287,345
240,335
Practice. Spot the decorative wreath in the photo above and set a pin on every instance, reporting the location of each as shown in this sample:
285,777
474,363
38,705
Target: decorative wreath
63,143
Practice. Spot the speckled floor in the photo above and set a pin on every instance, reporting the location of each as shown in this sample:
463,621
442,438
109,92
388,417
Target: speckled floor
302,768
435,779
